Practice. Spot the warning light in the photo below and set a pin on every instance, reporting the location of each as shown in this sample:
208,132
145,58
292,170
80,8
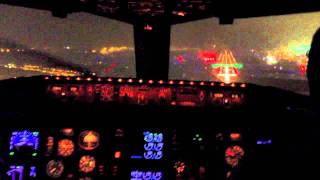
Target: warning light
243,85
235,136
119,80
160,82
150,81
191,83
211,84
57,78
78,78
170,82
89,79
140,81
201,83
68,78
130,81
181,82
109,79
117,154
46,78
99,79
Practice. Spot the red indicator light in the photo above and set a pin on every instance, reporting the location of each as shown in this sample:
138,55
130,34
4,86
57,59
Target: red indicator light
117,154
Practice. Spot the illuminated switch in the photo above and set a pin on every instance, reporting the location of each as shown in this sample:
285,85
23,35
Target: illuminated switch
70,177
101,169
202,172
33,172
114,170
117,155
119,133
235,136
67,131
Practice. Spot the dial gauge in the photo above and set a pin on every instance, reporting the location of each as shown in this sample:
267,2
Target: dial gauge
55,169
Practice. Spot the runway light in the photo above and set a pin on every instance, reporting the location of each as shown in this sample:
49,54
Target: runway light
201,83
68,78
211,84
46,78
233,85
222,84
181,82
57,78
119,80
191,83
109,79
78,78
173,103
170,82
63,94
117,154
140,81
243,85
160,82
89,79
150,81
99,79
130,80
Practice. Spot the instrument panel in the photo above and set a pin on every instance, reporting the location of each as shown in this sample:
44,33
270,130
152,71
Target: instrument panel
135,154
140,92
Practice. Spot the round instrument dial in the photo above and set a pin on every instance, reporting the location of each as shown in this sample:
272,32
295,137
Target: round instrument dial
87,164
65,148
233,155
55,169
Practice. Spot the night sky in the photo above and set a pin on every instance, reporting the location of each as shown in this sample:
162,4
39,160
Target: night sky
35,28
39,28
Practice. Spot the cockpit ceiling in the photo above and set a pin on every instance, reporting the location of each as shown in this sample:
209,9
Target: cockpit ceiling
177,11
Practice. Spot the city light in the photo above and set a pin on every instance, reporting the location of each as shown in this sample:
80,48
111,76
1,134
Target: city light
44,70
113,49
271,60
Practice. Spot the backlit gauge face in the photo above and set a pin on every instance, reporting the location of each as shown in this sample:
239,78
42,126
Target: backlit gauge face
55,169
87,164
233,155
89,140
65,147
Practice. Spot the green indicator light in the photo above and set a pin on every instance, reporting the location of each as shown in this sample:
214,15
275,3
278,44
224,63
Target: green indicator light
34,154
237,65
11,153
